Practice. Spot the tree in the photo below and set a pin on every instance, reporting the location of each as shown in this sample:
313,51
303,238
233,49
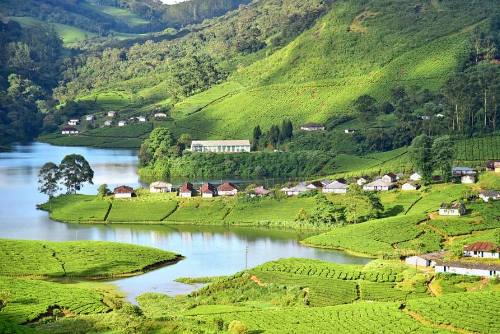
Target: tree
325,212
75,171
421,155
274,135
257,134
103,190
443,154
286,130
366,106
48,178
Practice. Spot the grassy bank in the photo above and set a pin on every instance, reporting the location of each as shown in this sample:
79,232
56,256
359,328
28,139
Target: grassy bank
78,259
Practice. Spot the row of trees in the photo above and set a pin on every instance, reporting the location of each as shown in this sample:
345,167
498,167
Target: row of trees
430,155
274,137
73,172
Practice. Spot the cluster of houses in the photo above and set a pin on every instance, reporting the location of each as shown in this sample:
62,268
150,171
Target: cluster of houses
71,129
465,266
314,127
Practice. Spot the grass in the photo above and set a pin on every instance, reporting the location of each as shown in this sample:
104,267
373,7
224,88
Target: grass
77,208
211,211
122,14
83,259
141,211
69,34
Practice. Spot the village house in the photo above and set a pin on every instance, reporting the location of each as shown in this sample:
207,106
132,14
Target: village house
410,186
160,115
315,185
160,187
336,187
89,118
425,117
461,171
439,115
227,189
69,131
108,123
425,260
349,131
124,192
389,178
296,190
415,177
73,122
312,127
468,179
141,119
482,249
488,195
111,113
221,146
208,190
122,123
378,185
261,191
452,209
493,166
468,268
186,190
362,181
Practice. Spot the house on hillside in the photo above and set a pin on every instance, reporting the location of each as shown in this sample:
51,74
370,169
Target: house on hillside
111,114
186,190
124,192
410,186
122,123
482,249
389,178
425,260
227,189
108,123
296,190
468,179
141,119
160,187
461,171
261,191
312,127
69,131
489,195
378,185
208,190
73,122
160,115
493,166
349,131
452,209
362,181
483,269
336,187
315,185
415,177
220,146
90,118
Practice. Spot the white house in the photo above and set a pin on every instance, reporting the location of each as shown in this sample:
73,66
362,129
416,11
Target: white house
461,171
89,118
186,190
297,190
160,187
415,177
312,127
468,268
108,123
69,131
141,119
220,146
349,131
452,209
482,249
160,115
207,190
410,186
468,179
122,123
389,177
316,185
425,260
123,192
111,113
361,181
336,187
378,185
73,122
227,189
488,195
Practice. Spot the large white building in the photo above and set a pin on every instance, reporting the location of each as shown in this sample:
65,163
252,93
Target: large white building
221,146
472,269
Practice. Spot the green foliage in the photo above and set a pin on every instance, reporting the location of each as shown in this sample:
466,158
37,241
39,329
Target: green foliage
77,208
201,211
75,171
48,178
148,210
422,156
77,259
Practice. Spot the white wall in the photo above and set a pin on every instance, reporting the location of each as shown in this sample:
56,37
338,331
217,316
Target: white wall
123,195
466,271
486,255
417,261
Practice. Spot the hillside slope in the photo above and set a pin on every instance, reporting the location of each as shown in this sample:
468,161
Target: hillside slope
359,47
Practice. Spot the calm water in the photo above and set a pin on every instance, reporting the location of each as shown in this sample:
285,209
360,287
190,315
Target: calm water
209,251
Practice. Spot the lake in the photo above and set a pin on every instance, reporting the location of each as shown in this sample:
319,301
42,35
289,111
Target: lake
209,251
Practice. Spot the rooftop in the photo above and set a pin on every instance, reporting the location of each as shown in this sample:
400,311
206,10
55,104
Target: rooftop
220,143
481,246
123,190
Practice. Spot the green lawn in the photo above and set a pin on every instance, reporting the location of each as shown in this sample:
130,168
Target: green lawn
77,259
199,210
77,208
149,210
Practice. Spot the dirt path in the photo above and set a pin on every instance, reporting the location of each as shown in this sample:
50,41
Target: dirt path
428,323
434,290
